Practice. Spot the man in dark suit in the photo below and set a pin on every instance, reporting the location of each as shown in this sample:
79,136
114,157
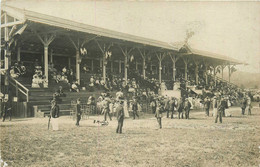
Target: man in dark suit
120,116
243,105
158,113
172,106
167,106
221,107
78,112
187,106
180,108
6,109
135,108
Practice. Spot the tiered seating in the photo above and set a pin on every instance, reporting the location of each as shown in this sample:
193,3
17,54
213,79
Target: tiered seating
40,105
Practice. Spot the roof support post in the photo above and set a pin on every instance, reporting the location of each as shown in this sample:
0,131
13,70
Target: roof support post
174,59
196,62
230,72
7,51
18,53
46,41
69,62
77,45
119,68
214,74
126,54
126,65
77,67
51,56
222,70
104,49
143,54
206,73
206,70
92,65
186,61
160,58
46,63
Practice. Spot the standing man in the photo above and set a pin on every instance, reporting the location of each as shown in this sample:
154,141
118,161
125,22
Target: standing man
180,108
106,109
243,105
153,105
207,105
221,107
215,106
135,108
78,112
158,114
6,108
249,105
120,116
55,112
187,107
167,106
172,106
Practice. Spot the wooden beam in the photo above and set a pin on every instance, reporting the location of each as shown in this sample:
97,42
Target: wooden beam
12,24
88,40
49,40
12,30
73,43
102,50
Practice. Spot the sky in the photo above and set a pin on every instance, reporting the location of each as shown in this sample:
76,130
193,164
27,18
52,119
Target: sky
228,28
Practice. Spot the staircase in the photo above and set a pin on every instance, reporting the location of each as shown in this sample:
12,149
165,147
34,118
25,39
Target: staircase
39,99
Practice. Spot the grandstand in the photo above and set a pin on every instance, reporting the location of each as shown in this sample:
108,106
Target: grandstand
27,36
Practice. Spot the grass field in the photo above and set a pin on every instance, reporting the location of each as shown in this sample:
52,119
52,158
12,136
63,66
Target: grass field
195,142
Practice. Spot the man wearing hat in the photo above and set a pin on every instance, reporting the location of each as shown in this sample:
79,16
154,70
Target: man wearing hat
187,107
221,108
106,107
158,114
55,111
78,112
6,108
172,106
135,108
120,116
180,108
243,105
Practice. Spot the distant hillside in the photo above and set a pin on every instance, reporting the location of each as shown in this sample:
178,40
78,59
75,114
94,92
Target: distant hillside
244,79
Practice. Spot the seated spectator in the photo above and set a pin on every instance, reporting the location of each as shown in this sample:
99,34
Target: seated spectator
91,84
85,68
13,73
97,83
60,92
22,68
74,87
91,100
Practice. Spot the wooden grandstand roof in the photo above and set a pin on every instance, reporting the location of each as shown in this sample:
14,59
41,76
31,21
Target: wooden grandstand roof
26,15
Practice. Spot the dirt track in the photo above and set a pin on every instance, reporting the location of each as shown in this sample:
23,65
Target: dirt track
195,142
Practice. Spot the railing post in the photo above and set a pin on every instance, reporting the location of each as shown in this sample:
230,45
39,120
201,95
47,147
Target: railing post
27,97
16,86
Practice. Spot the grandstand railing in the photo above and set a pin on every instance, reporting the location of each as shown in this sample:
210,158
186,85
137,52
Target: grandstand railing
223,80
19,88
